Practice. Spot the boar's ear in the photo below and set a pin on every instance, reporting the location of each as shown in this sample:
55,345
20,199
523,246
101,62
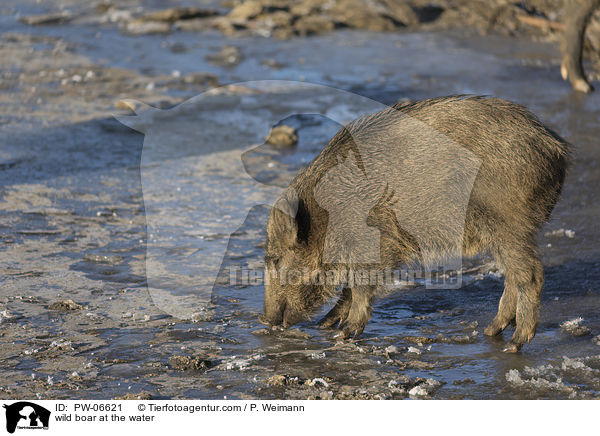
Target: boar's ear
302,221
290,219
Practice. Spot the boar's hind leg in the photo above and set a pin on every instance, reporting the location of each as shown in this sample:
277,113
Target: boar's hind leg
507,309
360,311
528,305
340,311
524,279
577,18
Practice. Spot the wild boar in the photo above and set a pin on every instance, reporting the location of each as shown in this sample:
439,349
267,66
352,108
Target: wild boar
457,175
577,18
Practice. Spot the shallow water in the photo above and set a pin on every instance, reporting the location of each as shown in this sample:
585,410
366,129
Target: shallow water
77,221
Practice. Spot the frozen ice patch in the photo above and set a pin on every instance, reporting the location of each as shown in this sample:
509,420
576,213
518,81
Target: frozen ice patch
574,327
6,316
424,389
318,382
242,364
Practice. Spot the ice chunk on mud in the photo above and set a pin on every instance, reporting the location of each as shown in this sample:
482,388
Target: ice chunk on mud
103,259
318,381
574,327
413,350
62,345
242,364
578,376
417,391
572,364
425,389
6,316
515,378
561,232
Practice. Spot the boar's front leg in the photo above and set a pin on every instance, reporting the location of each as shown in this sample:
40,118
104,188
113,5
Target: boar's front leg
360,311
340,311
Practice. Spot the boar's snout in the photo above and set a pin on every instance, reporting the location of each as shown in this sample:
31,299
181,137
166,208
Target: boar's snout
278,313
274,310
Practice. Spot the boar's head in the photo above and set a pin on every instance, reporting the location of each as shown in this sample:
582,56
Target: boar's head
291,259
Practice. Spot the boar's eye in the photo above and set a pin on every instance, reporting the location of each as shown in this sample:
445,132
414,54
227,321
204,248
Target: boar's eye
273,260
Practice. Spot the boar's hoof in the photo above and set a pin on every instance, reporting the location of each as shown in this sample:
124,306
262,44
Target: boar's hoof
495,328
350,331
512,347
582,85
335,316
340,311
264,321
492,330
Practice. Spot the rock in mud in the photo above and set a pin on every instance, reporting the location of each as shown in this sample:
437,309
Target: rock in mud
295,334
171,15
358,14
228,56
466,381
419,340
46,19
65,305
185,363
246,11
283,136
402,13
202,79
142,27
196,24
419,364
277,19
284,380
277,380
313,25
140,396
272,63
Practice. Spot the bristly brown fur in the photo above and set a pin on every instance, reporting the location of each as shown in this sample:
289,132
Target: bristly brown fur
518,182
